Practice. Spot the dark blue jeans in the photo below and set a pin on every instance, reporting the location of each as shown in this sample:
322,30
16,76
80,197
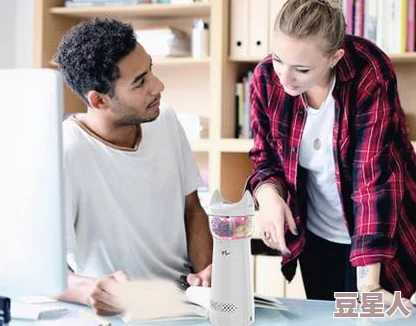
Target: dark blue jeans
326,268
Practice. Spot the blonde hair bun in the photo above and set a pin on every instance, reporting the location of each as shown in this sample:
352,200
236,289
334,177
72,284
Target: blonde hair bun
311,18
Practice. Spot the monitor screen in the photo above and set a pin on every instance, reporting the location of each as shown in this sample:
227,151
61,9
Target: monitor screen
32,235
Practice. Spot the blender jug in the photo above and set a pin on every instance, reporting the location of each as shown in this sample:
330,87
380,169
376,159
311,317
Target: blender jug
231,301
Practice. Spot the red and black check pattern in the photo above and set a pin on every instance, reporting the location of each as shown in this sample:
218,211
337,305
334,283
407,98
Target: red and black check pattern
375,165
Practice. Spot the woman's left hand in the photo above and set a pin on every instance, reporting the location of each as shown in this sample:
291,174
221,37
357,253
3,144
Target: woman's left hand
389,299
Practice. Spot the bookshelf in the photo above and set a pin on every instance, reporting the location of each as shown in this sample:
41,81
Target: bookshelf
156,11
406,57
208,87
185,61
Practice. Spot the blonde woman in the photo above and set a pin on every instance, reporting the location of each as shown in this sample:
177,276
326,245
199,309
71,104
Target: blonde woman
334,173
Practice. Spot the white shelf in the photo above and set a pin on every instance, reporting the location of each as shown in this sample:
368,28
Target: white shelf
166,61
171,61
235,145
405,57
202,145
246,59
225,145
144,11
231,145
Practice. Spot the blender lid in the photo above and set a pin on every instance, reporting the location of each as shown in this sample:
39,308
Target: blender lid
218,206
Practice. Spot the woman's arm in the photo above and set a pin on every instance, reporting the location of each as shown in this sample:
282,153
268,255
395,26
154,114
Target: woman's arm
267,165
377,176
267,182
378,185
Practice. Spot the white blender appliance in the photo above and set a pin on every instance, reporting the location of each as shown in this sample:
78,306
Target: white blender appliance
231,301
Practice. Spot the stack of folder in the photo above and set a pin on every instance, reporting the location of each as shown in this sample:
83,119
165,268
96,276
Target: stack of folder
164,41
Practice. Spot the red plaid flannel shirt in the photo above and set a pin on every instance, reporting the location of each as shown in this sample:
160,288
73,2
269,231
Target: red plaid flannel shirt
375,165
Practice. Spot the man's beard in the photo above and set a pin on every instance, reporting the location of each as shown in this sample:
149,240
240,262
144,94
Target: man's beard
129,121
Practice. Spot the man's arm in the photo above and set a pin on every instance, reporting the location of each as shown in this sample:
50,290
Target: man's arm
199,238
97,293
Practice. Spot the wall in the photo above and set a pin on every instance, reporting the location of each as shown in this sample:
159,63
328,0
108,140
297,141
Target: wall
7,33
25,21
16,33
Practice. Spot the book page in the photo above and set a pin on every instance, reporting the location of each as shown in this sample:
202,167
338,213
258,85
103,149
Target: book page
201,296
156,300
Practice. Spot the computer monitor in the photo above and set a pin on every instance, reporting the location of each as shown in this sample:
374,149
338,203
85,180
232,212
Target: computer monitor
32,235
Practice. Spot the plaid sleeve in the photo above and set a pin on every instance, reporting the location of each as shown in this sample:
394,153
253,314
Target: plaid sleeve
377,176
267,166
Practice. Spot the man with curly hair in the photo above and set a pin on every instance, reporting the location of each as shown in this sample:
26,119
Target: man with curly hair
131,179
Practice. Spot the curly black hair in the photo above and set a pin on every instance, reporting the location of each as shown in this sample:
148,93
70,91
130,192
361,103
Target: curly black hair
88,55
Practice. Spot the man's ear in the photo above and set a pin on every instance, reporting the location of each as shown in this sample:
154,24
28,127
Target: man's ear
96,100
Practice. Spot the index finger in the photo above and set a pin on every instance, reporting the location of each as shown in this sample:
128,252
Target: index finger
278,236
280,240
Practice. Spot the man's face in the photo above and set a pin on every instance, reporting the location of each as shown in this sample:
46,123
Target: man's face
137,90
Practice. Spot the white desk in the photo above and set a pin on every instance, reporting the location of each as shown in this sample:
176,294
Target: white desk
301,312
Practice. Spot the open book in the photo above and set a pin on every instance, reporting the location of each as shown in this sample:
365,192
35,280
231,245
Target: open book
201,296
161,300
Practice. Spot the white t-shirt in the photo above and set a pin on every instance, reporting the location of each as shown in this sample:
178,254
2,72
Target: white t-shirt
325,217
125,209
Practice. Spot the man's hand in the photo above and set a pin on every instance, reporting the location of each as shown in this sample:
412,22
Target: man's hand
101,294
203,278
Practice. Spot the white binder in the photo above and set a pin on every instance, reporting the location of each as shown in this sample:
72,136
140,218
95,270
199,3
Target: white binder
239,28
259,28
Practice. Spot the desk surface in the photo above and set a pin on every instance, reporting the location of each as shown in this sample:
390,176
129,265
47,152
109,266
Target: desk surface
301,312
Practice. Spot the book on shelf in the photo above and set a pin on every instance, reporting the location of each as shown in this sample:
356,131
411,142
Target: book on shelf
359,18
242,107
162,300
411,25
370,20
239,109
347,6
388,23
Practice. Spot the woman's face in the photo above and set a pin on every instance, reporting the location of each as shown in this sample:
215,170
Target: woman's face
302,64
